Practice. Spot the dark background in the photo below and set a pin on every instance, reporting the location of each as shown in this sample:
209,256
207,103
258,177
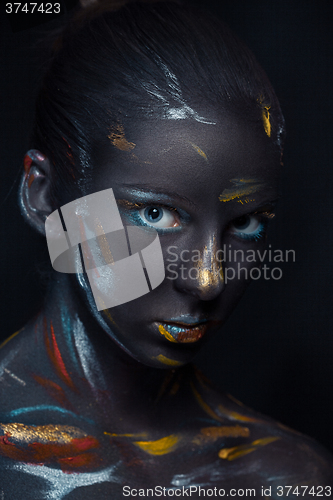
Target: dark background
275,353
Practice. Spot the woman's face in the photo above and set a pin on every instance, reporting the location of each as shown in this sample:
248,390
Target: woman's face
208,190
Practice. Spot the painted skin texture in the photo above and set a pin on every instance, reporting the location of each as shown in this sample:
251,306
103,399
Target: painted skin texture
85,406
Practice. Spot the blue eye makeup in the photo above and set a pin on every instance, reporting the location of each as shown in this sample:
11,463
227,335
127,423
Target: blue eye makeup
250,227
161,217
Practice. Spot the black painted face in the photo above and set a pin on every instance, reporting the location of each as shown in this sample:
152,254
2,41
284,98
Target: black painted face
208,189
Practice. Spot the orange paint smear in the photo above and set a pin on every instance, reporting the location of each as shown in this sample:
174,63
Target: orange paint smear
53,389
69,456
31,180
55,355
27,164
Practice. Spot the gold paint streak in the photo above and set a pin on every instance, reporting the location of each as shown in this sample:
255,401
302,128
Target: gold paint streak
237,416
107,312
129,204
199,151
103,242
211,434
139,435
119,140
264,441
207,409
167,361
210,270
266,120
10,338
243,187
61,434
239,451
161,446
166,334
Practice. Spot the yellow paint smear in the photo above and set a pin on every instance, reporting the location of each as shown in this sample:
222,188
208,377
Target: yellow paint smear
244,449
166,334
119,141
266,120
161,446
139,435
167,361
234,415
199,151
211,434
207,409
243,187
10,338
61,434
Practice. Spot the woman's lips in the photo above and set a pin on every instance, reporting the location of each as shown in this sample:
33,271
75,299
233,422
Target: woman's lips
183,333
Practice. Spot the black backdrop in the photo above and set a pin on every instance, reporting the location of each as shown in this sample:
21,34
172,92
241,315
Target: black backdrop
275,352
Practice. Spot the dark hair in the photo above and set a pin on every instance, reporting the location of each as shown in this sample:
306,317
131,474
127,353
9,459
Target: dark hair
117,61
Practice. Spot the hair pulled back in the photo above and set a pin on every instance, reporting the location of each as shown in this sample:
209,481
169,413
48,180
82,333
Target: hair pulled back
118,61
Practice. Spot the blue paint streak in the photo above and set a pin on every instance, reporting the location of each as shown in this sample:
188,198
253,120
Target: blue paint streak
20,411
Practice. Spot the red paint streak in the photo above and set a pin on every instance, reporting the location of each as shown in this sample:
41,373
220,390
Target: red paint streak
55,355
54,390
27,164
80,452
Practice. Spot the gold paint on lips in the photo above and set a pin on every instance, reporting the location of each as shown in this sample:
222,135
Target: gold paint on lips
166,334
187,336
61,434
119,141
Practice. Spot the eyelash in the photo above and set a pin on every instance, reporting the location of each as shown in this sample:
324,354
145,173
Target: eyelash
133,213
263,220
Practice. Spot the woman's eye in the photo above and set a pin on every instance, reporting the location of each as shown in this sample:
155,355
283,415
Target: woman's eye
248,227
159,217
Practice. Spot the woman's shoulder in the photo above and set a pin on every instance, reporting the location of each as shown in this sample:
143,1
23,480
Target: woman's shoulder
250,441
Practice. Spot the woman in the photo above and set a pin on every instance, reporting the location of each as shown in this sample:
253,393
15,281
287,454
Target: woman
165,109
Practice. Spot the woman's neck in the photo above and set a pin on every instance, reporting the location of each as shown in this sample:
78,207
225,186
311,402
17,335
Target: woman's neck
86,359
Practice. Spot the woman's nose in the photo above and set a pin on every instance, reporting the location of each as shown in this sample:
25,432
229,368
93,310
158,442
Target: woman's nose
202,274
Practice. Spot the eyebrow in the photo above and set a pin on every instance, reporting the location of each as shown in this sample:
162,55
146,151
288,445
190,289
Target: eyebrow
148,192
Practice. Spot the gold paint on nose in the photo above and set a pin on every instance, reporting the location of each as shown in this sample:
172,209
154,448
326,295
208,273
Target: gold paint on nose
210,270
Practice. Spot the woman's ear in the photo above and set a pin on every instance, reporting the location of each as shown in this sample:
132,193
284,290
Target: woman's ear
35,190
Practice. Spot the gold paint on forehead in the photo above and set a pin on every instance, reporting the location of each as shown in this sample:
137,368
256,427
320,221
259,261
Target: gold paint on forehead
119,141
199,151
242,187
210,270
61,434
